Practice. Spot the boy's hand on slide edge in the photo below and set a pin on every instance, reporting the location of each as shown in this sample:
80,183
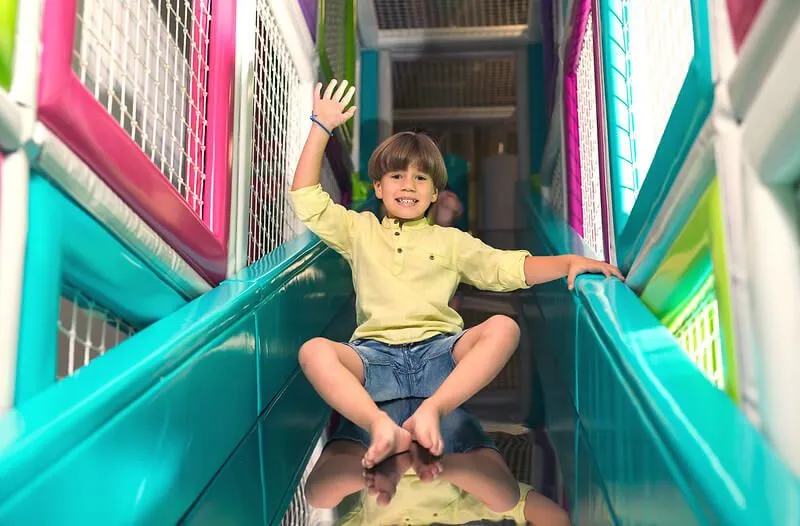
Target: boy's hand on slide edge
582,265
329,107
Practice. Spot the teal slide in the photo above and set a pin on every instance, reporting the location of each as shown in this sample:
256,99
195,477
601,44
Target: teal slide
205,418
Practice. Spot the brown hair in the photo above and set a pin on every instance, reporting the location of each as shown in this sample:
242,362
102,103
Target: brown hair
405,149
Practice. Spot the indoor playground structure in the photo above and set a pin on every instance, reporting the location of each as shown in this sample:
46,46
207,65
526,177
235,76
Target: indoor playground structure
155,285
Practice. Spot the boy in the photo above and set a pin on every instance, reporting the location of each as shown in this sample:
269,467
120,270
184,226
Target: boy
409,343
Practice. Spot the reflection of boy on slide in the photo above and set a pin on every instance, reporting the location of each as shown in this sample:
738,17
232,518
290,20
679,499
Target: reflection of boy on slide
470,482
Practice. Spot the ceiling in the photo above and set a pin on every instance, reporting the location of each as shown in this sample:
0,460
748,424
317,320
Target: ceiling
479,85
449,24
448,14
451,59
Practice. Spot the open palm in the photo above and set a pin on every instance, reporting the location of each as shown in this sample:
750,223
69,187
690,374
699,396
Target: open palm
329,108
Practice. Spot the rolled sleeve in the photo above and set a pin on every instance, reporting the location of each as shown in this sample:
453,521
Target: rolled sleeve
488,268
330,221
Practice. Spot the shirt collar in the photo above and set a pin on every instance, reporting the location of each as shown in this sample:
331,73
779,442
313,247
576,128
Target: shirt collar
414,225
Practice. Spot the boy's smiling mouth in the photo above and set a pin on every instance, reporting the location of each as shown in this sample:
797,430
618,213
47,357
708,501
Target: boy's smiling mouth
406,201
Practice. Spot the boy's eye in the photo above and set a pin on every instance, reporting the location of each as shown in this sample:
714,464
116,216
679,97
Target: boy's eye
395,176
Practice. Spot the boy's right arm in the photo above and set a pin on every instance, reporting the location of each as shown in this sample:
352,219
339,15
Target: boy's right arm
314,207
329,112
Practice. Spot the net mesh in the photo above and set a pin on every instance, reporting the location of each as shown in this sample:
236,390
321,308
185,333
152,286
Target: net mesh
276,139
85,331
146,63
557,200
699,337
661,47
335,38
590,157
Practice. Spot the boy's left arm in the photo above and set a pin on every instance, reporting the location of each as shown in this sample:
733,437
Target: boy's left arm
541,269
488,268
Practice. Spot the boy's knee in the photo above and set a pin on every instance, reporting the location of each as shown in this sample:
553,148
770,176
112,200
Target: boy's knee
507,502
501,324
315,351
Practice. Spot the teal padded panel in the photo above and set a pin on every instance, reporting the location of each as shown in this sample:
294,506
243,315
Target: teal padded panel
187,386
299,414
149,461
560,417
235,495
537,106
66,245
224,498
592,508
290,317
41,287
106,271
368,104
614,422
669,447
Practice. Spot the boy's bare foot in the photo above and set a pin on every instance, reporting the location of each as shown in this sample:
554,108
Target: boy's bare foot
425,428
387,439
381,481
425,465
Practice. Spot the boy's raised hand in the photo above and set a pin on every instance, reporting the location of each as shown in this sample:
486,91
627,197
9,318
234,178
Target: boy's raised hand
329,107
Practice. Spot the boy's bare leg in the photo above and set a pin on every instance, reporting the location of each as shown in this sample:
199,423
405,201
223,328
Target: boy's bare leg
541,510
480,355
337,374
337,474
483,474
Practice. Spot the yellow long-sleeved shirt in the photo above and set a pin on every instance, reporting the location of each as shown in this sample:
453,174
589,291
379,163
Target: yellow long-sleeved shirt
416,503
404,274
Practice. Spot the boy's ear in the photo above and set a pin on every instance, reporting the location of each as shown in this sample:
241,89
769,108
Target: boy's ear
435,195
378,191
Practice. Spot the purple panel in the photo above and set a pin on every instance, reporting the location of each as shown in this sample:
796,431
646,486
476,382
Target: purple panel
309,8
580,15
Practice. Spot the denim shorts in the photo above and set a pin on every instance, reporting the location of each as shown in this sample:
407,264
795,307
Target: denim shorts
412,370
461,431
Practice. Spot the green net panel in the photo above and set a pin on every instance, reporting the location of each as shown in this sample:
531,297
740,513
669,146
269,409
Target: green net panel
336,42
8,25
689,293
700,335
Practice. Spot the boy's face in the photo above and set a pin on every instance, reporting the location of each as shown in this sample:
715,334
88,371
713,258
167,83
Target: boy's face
407,194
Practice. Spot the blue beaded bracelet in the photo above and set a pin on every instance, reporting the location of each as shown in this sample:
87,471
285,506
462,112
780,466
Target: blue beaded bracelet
314,120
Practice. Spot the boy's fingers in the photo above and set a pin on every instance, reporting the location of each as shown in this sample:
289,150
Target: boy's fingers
318,90
340,92
349,96
349,113
331,87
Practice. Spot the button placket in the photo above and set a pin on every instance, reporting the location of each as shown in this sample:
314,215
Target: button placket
397,259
